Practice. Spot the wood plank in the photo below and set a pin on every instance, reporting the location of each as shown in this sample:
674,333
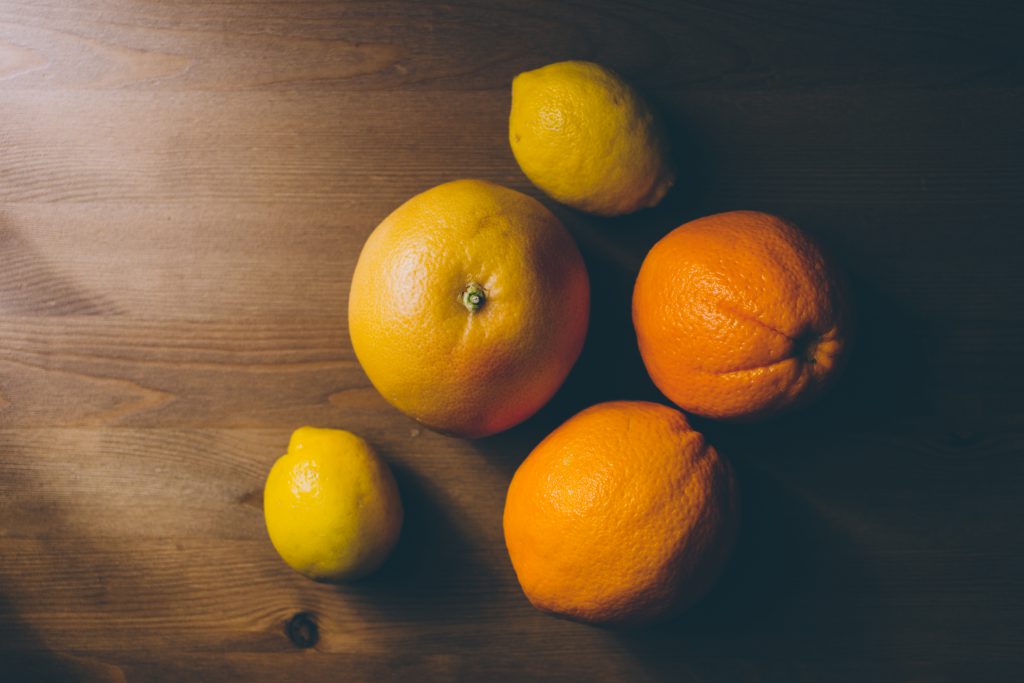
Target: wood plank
247,147
108,44
173,373
342,147
97,370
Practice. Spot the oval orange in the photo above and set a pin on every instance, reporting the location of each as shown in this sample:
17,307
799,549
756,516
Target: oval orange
624,514
738,315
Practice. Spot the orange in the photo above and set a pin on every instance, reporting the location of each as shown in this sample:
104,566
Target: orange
621,515
468,307
737,315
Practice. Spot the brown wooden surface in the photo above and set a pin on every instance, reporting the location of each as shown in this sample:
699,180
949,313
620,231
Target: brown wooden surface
184,188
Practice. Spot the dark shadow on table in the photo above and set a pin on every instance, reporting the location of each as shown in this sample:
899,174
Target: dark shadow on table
886,379
792,590
795,586
795,580
435,572
35,665
609,367
24,657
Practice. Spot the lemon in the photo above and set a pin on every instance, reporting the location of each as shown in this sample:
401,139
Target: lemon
331,505
587,139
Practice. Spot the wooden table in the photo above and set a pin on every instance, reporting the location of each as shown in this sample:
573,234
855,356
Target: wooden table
184,189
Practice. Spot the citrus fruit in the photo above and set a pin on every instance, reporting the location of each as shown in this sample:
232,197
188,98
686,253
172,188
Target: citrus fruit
331,506
469,305
737,315
586,138
621,515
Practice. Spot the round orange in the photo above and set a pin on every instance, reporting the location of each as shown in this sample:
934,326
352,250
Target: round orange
737,315
468,307
623,514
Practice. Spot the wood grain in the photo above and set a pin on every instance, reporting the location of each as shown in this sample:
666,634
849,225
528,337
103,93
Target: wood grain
184,190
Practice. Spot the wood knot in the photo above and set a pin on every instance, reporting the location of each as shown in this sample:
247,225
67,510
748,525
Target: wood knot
302,630
253,498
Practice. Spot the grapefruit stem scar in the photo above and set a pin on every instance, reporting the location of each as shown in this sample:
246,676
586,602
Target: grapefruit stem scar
473,297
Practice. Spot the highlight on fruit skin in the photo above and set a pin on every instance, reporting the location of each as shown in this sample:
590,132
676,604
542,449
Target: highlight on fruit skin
588,139
331,506
622,515
739,316
468,307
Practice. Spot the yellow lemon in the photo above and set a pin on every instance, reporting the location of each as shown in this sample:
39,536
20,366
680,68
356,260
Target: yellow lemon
587,139
331,505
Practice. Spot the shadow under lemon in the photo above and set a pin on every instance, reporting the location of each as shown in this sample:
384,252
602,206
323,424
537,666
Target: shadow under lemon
435,574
